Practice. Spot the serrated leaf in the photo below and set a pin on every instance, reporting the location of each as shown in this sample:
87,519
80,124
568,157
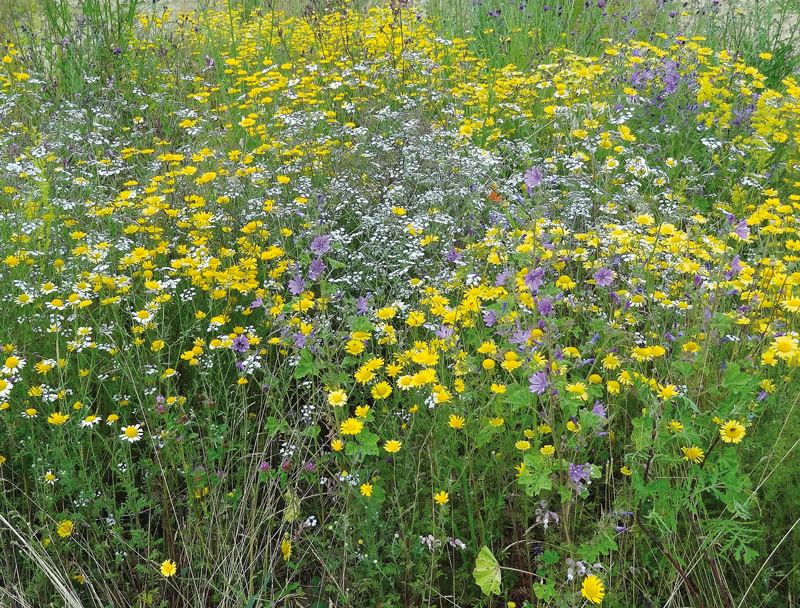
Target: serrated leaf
487,572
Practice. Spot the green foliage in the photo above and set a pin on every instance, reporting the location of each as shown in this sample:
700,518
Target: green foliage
272,310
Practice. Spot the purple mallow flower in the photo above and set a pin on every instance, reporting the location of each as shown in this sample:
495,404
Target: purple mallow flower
538,383
599,410
297,285
604,277
241,344
321,245
533,177
545,307
533,279
315,269
742,230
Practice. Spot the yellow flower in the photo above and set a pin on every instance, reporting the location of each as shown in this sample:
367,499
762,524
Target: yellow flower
523,445
58,418
364,375
337,397
547,450
592,589
415,318
693,453
381,390
571,426
366,489
668,391
456,422
362,411
337,445
732,431
65,528
626,471
610,361
578,389
351,426
354,347
564,282
442,497
674,426
286,548
168,568
496,421
392,446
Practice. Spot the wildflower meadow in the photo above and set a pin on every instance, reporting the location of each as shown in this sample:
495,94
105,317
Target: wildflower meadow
332,303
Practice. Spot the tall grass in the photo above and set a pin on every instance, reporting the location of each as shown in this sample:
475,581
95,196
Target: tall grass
443,304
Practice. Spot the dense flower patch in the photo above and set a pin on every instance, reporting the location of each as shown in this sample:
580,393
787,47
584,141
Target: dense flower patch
326,306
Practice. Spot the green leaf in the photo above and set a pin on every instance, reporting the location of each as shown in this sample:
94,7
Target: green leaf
545,591
361,324
306,365
487,572
549,557
520,397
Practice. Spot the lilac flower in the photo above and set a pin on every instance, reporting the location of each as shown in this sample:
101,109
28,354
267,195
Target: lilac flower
545,307
311,467
543,515
297,285
501,278
580,474
538,383
321,245
444,332
604,277
286,465
315,269
453,255
533,177
599,410
533,279
521,336
489,318
736,264
257,303
241,344
299,339
264,467
362,306
742,230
